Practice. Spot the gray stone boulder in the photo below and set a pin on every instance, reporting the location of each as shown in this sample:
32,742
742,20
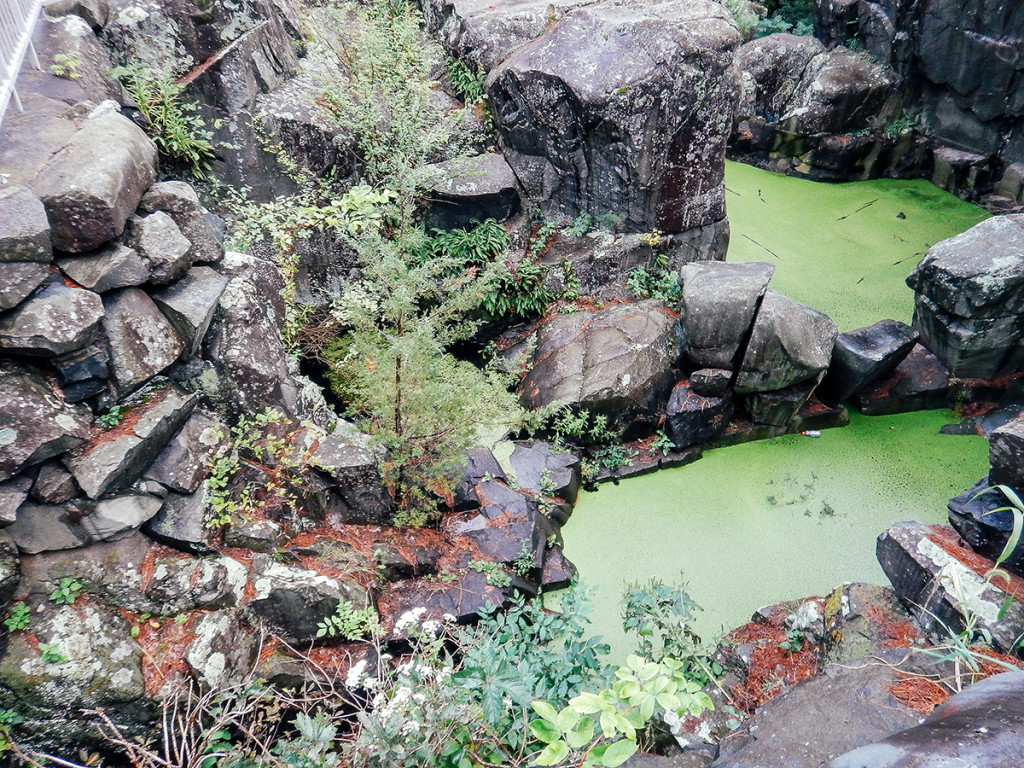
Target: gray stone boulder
24,229
35,424
770,72
223,651
291,601
73,36
183,463
114,460
846,706
919,382
840,91
142,340
179,584
12,493
480,464
485,34
84,372
982,725
711,382
691,419
180,201
183,523
189,303
20,279
343,455
1006,454
623,108
160,244
719,303
95,182
617,361
982,518
862,356
95,13
969,297
940,582
52,527
113,265
779,407
508,526
56,320
545,471
473,189
790,343
54,484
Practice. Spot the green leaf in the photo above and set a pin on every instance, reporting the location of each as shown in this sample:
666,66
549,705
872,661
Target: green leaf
618,753
544,731
553,753
582,735
567,719
545,710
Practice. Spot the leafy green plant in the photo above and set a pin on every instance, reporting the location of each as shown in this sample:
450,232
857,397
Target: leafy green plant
1016,509
793,16
662,443
614,456
51,654
580,226
901,125
68,590
603,727
653,238
8,719
660,283
496,574
478,245
349,622
112,418
525,561
178,132
794,641
66,66
467,83
541,239
518,293
19,617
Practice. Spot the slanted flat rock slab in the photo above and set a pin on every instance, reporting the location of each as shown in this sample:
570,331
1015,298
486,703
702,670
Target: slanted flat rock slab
142,340
57,320
20,279
861,356
189,304
115,459
113,265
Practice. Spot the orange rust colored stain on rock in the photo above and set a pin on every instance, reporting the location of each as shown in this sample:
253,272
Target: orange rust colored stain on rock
894,634
954,546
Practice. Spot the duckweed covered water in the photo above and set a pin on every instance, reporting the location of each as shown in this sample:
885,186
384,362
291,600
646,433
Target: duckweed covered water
772,520
841,248
795,516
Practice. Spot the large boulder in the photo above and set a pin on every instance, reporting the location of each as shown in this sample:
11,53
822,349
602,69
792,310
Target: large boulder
142,340
35,424
617,361
691,419
183,463
970,297
473,189
544,470
942,583
159,242
56,320
484,34
95,181
115,459
719,302
1006,454
770,72
24,229
845,707
982,725
862,356
84,372
919,382
180,201
189,304
790,343
623,108
52,527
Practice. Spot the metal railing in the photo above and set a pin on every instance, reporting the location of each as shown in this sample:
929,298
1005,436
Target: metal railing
17,23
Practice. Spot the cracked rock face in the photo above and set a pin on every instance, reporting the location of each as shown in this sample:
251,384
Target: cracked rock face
57,320
623,108
35,424
615,361
142,340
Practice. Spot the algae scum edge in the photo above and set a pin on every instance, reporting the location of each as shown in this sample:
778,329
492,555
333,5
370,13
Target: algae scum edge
754,524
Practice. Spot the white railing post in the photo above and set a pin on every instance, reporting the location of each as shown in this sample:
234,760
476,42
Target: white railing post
17,23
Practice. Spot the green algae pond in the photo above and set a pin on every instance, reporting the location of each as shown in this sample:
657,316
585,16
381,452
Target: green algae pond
763,522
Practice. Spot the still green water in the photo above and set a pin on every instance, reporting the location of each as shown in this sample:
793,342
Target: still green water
759,523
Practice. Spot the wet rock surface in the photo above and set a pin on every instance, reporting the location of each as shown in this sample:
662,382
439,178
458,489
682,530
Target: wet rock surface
590,120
